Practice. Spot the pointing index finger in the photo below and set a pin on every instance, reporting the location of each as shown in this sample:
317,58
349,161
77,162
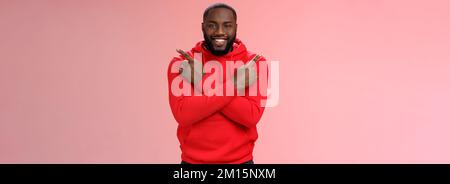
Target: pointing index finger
185,55
254,60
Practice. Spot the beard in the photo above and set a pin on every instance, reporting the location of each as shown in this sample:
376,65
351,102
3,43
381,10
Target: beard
210,46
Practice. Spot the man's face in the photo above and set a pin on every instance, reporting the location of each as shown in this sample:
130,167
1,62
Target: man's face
219,30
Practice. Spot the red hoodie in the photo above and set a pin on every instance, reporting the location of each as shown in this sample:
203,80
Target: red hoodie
216,129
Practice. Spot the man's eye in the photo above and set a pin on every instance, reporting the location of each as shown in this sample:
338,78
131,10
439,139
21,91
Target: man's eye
228,26
211,26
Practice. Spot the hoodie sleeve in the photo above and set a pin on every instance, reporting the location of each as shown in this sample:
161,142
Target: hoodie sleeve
246,110
189,109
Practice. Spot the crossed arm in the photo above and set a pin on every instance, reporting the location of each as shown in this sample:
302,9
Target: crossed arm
191,109
187,110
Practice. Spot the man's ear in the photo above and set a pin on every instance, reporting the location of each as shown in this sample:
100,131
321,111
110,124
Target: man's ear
203,27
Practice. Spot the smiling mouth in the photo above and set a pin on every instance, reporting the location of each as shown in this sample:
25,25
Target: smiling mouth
219,42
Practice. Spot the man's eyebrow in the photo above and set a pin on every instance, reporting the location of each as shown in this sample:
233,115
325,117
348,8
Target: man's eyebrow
212,21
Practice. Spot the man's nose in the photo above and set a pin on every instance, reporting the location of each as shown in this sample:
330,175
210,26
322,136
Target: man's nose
220,31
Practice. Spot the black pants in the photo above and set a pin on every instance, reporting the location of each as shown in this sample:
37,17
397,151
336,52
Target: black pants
248,162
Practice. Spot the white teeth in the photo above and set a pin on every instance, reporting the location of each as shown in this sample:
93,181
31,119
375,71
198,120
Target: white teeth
219,42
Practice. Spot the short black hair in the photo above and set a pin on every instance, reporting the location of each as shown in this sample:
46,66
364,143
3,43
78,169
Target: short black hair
218,5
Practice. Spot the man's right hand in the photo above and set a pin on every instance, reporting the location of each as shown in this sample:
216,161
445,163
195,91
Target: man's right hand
190,69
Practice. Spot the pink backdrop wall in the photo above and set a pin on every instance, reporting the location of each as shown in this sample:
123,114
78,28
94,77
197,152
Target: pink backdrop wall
361,81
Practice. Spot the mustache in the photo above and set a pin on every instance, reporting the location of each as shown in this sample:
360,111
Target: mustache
219,37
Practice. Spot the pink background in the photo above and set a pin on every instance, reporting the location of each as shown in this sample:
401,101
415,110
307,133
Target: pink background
361,81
